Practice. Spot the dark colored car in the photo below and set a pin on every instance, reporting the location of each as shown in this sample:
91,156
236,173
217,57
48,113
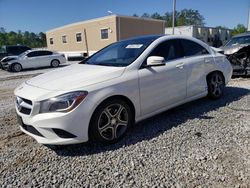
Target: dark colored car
12,50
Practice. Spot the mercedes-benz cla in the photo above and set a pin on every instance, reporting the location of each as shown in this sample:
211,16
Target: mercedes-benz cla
126,82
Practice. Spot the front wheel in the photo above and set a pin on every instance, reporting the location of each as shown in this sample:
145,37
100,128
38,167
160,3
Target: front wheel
16,67
216,85
110,121
55,63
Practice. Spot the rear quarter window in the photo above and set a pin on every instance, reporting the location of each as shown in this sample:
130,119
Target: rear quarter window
191,48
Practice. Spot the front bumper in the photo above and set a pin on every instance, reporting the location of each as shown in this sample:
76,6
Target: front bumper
57,128
5,66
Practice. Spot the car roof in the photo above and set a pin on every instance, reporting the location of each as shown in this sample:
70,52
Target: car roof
162,36
144,37
37,50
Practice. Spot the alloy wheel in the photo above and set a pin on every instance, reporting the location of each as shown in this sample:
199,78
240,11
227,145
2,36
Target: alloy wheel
113,122
55,63
217,85
17,68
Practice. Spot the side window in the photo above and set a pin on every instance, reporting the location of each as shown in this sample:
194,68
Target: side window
32,54
191,48
104,33
78,37
51,41
169,50
64,39
43,53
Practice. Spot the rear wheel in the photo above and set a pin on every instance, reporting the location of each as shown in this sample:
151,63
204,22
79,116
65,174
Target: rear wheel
110,121
55,63
216,85
16,67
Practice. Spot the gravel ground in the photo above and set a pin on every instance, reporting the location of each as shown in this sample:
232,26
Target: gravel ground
204,143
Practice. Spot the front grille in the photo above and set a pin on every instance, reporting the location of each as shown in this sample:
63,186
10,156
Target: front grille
24,105
25,110
27,101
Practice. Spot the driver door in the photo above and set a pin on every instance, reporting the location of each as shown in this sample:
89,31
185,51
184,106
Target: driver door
162,86
33,60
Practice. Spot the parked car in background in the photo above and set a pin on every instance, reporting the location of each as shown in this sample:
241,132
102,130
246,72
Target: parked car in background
12,50
237,51
32,59
126,82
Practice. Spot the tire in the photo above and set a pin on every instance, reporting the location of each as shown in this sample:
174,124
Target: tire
216,85
55,63
110,122
16,67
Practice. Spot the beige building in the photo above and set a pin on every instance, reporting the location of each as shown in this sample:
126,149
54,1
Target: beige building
92,35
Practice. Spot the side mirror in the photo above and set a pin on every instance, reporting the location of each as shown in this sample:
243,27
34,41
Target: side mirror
155,61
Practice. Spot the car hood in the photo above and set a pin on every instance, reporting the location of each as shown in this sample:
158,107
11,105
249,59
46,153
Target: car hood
232,49
9,58
75,77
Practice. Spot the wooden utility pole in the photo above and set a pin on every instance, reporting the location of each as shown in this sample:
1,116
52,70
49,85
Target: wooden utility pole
86,41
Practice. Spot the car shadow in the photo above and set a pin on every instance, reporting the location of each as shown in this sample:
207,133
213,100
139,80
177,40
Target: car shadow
157,125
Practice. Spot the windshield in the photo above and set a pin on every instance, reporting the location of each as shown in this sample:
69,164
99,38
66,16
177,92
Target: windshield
239,40
24,53
121,53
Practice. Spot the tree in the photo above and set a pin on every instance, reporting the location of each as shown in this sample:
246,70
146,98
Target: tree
2,30
23,38
184,17
145,15
240,28
191,17
221,27
168,18
156,16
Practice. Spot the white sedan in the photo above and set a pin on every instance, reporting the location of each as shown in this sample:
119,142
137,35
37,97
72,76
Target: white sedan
126,82
32,59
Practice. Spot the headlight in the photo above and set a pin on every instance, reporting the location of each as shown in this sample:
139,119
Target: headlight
63,103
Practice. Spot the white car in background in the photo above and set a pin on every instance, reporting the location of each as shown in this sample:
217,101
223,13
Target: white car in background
32,59
126,82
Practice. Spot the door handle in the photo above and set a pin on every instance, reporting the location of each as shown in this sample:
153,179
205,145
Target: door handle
207,60
180,66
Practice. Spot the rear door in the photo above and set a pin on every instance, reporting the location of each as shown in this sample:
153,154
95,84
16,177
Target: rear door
196,56
47,57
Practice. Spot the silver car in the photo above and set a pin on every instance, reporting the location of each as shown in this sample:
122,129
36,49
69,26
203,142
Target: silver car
32,59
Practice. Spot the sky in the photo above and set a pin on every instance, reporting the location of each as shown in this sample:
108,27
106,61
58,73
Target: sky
43,15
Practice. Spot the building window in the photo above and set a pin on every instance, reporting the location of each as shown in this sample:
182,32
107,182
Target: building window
104,33
64,39
51,41
78,37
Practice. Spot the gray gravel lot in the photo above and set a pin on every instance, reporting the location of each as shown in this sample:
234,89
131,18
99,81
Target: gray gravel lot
204,143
